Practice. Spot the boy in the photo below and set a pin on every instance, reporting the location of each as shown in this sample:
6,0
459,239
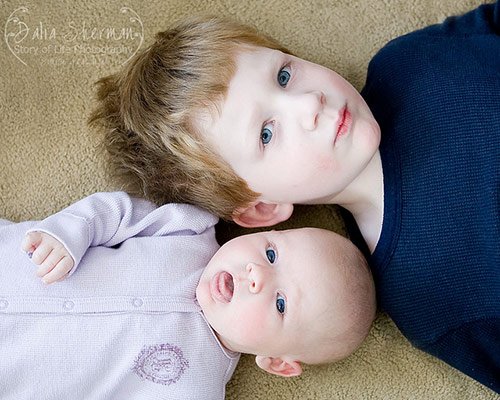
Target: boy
215,108
156,310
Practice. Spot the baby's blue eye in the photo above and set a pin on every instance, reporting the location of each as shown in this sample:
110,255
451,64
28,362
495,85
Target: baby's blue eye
271,255
266,135
283,77
280,304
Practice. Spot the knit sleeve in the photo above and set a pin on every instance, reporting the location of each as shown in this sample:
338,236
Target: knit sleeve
496,17
483,20
108,219
473,348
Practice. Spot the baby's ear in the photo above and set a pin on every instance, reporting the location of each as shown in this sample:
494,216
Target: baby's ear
261,214
278,366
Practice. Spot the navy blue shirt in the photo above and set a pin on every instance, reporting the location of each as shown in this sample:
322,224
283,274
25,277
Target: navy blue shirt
436,95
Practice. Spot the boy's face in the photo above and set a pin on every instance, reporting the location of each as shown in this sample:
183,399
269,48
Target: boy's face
295,131
264,293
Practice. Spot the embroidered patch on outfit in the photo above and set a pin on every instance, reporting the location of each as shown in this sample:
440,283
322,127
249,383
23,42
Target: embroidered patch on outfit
161,363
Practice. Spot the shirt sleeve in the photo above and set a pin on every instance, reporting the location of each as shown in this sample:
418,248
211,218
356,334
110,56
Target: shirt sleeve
496,17
474,349
483,20
108,219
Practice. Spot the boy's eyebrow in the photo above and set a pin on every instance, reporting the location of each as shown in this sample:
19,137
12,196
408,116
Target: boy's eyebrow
253,129
250,126
239,126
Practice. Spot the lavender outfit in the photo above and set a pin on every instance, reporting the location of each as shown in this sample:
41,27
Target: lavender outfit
126,324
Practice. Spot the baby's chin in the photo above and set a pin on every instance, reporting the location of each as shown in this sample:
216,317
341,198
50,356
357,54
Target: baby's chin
227,344
202,293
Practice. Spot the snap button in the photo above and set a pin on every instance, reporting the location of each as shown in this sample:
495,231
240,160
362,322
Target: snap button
137,302
3,304
68,305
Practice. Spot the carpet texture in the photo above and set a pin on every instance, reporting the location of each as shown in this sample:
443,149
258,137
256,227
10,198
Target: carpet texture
52,53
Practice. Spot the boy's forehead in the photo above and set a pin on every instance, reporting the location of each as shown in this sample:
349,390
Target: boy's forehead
255,59
235,116
232,124
207,116
251,56
254,70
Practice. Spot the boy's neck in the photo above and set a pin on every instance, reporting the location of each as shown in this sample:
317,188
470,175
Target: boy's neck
364,199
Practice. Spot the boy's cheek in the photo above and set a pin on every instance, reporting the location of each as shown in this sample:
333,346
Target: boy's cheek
326,163
319,166
310,165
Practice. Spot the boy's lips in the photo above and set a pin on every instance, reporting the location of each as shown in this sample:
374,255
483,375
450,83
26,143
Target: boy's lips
222,287
344,123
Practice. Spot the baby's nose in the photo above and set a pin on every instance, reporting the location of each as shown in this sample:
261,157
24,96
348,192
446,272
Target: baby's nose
255,277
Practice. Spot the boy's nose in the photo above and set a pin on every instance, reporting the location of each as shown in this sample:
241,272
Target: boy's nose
256,277
309,106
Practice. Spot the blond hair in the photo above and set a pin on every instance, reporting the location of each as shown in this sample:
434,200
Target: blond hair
146,112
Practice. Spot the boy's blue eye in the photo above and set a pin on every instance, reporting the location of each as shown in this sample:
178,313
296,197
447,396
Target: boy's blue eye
266,135
283,77
280,304
271,255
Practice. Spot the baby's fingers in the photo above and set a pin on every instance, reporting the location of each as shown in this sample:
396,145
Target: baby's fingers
31,242
59,271
42,251
53,259
49,262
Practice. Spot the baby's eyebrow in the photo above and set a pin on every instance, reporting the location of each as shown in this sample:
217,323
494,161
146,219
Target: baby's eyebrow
293,293
297,306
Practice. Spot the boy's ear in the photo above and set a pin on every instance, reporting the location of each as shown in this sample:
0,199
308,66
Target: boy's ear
278,366
261,214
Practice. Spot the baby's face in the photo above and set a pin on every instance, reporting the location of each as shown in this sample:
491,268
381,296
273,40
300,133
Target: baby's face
295,131
264,293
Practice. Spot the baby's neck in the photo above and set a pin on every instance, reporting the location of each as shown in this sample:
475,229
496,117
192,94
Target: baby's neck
366,202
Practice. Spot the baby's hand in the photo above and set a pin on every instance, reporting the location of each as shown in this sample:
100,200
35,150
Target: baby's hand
52,258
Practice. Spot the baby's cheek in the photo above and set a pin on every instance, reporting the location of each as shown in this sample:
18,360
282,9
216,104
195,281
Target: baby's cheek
251,327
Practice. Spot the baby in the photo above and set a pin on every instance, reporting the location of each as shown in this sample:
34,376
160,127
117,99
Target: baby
155,309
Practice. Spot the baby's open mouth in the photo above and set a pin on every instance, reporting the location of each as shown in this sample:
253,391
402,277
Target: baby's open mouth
222,287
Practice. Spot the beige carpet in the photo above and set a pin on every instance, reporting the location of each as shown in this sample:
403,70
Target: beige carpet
48,62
